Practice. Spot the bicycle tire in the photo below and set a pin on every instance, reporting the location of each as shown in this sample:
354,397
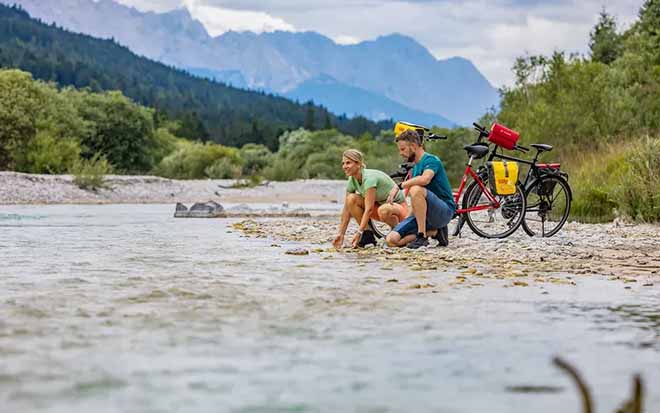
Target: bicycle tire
539,203
511,211
380,229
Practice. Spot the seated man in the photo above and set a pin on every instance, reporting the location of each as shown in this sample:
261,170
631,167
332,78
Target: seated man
367,191
431,197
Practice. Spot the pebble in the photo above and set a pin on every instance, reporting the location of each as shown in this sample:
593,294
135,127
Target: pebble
297,251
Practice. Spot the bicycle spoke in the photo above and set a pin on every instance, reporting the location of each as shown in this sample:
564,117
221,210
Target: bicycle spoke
547,211
494,222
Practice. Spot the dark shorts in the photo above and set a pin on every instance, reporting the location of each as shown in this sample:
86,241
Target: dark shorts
438,215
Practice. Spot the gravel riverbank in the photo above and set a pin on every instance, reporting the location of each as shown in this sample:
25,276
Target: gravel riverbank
20,188
629,254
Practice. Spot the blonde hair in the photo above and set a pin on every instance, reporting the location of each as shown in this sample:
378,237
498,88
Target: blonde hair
355,156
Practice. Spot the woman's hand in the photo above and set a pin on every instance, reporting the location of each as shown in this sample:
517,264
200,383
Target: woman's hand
356,239
338,242
393,193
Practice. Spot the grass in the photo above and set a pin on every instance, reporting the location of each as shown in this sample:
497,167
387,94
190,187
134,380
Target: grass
620,180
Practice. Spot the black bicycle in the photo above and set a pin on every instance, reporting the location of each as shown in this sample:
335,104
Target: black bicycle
548,194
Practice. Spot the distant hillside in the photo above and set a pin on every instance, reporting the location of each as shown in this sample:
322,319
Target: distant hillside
340,98
394,66
230,116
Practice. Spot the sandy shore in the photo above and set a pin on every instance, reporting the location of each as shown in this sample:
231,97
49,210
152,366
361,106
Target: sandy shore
19,188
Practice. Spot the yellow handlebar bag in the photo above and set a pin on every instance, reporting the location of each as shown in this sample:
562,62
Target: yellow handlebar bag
502,177
400,127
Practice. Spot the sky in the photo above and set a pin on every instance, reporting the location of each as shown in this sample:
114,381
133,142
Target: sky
491,33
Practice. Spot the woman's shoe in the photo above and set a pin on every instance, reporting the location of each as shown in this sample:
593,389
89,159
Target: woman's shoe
367,238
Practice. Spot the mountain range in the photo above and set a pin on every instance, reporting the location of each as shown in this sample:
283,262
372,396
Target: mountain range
392,76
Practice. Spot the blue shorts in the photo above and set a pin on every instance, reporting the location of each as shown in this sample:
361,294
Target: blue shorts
438,215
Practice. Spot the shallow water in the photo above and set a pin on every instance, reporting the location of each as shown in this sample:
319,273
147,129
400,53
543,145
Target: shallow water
124,308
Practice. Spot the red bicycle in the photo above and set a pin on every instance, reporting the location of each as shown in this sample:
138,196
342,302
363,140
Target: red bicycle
488,215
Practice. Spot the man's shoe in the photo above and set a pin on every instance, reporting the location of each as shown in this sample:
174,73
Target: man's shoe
442,236
367,238
419,242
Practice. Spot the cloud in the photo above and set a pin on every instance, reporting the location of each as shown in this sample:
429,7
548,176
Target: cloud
491,33
151,5
218,20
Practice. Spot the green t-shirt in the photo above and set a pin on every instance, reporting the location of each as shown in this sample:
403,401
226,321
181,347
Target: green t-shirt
373,178
439,185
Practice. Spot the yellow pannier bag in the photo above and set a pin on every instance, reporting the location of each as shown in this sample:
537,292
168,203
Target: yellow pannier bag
502,177
400,127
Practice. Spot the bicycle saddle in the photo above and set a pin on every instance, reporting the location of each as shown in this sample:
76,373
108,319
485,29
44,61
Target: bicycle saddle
541,147
476,150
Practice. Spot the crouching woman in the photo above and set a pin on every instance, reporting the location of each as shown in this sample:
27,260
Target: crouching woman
370,194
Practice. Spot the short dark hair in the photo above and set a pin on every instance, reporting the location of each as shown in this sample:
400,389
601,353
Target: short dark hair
409,135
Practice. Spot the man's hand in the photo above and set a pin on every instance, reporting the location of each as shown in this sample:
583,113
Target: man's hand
393,193
356,239
338,242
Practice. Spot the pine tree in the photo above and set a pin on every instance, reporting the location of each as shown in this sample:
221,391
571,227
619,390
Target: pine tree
605,43
309,117
327,124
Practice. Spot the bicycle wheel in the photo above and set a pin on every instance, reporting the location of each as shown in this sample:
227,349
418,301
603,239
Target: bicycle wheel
379,228
494,222
548,205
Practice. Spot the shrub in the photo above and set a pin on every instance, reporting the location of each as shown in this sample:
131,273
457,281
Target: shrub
636,192
48,154
255,158
251,182
90,173
325,165
164,143
618,180
223,168
194,160
281,170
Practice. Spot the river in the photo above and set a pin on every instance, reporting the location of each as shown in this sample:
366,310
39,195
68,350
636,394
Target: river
122,308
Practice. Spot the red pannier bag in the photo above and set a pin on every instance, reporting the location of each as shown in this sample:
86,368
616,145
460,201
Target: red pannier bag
502,136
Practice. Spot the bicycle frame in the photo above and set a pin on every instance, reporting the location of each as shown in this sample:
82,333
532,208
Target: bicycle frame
469,171
532,164
533,172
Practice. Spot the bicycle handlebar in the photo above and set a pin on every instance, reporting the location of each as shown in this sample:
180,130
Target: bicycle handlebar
433,137
483,133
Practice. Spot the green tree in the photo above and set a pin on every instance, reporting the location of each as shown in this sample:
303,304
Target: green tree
192,127
22,101
309,117
327,123
605,43
122,132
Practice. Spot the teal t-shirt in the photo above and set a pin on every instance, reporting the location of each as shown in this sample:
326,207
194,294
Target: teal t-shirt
373,178
439,185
